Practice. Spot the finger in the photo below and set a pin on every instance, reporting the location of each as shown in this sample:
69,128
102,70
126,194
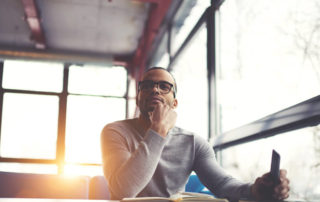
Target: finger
266,175
284,181
281,191
284,184
281,196
286,196
266,180
283,172
150,114
165,106
285,191
157,107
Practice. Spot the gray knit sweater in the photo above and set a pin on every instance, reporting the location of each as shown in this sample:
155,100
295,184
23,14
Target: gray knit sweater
142,163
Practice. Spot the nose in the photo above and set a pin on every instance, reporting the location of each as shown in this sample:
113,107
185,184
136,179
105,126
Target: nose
155,88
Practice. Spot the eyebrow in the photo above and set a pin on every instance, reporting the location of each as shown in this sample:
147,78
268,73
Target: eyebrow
158,81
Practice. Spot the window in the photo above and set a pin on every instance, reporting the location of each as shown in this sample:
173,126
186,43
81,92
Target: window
161,57
189,66
95,80
29,168
87,115
34,76
184,23
190,72
33,102
250,160
268,59
29,126
132,107
29,121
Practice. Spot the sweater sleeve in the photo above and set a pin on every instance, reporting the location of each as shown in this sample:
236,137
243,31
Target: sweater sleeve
129,172
214,177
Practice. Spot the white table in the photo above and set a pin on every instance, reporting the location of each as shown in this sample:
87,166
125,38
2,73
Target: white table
51,200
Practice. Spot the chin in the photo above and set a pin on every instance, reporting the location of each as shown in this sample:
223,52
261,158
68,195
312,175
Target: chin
150,109
145,111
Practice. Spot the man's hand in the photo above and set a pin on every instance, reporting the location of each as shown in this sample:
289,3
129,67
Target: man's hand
162,119
264,188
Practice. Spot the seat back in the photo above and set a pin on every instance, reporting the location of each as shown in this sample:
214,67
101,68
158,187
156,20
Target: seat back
98,188
27,185
194,184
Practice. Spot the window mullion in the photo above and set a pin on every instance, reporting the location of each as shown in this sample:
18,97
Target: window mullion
1,98
60,152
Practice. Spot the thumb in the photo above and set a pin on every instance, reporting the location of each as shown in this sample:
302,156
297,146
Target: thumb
150,115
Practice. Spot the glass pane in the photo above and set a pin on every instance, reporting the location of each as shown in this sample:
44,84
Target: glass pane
300,156
269,57
29,168
132,108
86,117
132,91
184,22
191,73
163,61
98,80
35,76
33,121
91,171
161,55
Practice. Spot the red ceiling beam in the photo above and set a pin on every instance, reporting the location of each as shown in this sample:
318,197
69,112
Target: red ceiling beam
157,13
148,1
32,17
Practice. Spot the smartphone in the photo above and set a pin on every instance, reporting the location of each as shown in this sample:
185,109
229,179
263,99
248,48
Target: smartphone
275,167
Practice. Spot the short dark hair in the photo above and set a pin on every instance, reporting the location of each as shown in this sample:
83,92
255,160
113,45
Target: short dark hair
175,83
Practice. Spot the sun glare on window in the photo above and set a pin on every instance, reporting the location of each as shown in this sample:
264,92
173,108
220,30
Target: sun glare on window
32,110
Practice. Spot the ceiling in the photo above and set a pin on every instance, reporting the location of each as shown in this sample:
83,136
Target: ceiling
82,31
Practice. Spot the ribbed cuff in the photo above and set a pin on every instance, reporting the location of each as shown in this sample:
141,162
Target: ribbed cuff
247,194
153,139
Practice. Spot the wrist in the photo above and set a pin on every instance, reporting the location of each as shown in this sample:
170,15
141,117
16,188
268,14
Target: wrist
254,193
159,129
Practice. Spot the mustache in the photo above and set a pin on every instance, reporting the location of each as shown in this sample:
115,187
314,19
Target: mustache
155,98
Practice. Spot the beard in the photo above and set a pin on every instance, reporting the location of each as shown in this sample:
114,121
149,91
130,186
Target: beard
149,107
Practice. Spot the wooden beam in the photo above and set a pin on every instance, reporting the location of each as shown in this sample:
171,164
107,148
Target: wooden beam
157,12
34,22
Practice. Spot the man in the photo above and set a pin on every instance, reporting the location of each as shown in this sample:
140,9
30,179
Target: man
149,156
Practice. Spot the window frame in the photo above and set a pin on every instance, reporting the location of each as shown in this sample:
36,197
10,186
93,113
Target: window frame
252,131
59,160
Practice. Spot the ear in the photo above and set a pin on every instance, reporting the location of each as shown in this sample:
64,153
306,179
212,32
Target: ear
175,103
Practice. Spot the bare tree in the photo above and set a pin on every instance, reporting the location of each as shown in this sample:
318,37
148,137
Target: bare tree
307,35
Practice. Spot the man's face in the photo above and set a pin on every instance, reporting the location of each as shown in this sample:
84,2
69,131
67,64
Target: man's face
148,99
